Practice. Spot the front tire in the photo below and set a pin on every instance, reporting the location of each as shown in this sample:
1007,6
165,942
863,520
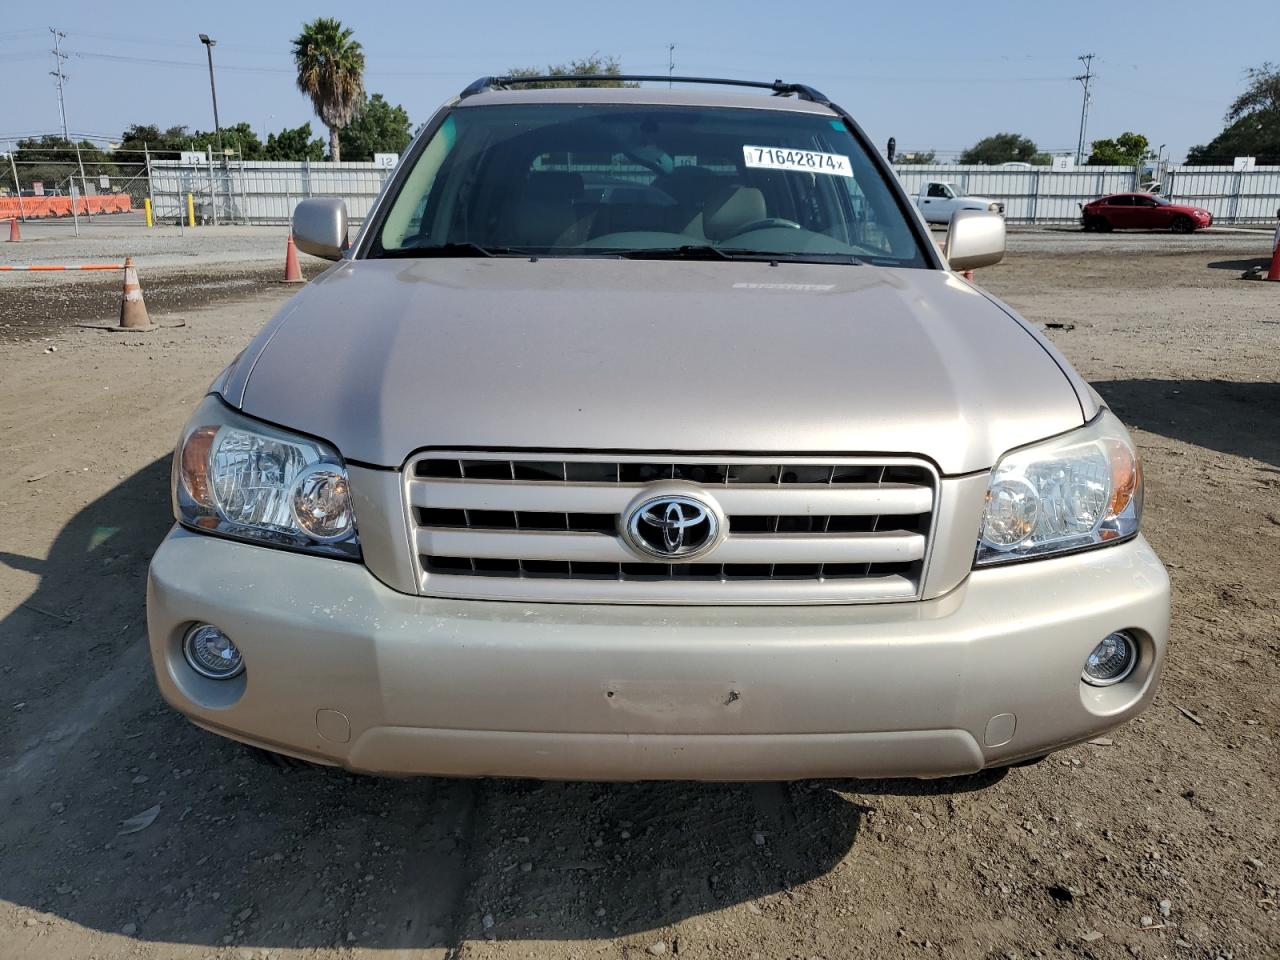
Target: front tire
1102,224
1183,224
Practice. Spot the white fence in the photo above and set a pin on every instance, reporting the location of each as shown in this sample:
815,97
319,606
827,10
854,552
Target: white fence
1232,196
263,191
1044,195
1034,195
259,191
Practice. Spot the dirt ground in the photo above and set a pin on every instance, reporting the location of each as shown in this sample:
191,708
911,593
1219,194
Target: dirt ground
1160,840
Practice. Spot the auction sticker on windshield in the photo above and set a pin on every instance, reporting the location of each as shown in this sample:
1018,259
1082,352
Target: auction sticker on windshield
804,161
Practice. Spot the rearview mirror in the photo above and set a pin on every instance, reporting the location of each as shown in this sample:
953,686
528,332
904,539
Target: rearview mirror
320,227
975,239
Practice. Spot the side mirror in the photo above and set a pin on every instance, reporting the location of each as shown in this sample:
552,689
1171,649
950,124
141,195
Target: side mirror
320,227
975,239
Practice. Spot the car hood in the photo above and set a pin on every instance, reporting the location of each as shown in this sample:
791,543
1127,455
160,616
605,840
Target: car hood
384,357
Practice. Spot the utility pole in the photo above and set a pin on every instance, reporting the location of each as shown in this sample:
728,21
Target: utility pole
209,45
671,63
58,57
1085,79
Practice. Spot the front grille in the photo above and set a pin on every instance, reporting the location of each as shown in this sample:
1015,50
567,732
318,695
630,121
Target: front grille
547,527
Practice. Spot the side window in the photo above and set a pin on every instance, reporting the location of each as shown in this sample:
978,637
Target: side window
1120,202
1143,202
939,190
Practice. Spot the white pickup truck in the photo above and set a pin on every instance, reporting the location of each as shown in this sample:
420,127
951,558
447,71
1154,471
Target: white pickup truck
938,200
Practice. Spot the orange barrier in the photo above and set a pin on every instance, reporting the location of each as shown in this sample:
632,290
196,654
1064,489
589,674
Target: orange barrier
36,208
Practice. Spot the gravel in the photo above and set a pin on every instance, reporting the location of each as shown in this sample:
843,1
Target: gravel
846,865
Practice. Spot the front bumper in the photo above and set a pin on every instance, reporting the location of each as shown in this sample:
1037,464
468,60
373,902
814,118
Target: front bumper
341,669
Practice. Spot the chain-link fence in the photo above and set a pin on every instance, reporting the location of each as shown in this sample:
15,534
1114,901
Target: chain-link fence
56,183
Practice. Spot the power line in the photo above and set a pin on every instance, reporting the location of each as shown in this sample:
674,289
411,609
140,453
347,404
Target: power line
1085,79
159,62
15,34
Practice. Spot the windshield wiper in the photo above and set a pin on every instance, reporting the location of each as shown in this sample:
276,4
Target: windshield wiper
705,251
690,251
463,248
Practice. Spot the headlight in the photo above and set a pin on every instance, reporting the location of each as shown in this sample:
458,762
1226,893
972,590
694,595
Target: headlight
248,480
993,208
1075,491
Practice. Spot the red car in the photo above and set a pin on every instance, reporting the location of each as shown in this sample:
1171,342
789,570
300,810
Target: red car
1122,211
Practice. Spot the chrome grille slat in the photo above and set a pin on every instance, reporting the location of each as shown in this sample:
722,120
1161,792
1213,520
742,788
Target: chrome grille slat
888,547
745,499
528,526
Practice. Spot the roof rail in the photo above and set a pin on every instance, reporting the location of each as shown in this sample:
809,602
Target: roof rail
778,87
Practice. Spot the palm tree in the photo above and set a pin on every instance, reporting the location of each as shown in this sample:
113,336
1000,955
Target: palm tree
330,71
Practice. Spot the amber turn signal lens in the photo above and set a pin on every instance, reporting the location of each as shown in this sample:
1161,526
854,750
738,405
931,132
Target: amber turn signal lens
1126,475
195,465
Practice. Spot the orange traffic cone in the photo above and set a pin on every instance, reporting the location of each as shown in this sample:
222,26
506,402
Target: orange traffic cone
1272,274
14,233
133,309
292,272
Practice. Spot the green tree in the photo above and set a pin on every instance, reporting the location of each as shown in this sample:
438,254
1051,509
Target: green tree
293,144
139,139
1253,123
145,136
587,66
52,160
238,138
1001,148
1124,151
377,128
331,72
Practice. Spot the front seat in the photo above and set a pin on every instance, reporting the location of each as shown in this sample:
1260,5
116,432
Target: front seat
544,214
689,187
729,210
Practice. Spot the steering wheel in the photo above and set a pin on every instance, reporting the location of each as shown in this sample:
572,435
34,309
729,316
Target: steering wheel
767,223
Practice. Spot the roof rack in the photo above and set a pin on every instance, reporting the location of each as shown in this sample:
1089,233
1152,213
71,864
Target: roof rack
780,88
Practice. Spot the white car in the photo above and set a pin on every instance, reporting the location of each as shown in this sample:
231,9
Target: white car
937,200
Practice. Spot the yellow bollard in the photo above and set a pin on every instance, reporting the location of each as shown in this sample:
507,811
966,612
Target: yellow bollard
191,210
146,205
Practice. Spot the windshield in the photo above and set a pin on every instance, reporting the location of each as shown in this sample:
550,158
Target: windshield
608,180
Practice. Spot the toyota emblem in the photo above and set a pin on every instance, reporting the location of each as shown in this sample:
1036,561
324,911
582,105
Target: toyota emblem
672,527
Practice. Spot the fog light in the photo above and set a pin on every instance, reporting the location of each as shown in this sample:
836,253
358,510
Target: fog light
211,652
1111,661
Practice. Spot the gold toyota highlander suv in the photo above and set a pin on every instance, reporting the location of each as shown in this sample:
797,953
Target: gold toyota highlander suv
645,433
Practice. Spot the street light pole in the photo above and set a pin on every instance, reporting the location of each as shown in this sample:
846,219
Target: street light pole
213,89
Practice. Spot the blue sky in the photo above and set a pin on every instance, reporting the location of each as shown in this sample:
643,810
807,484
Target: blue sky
932,75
